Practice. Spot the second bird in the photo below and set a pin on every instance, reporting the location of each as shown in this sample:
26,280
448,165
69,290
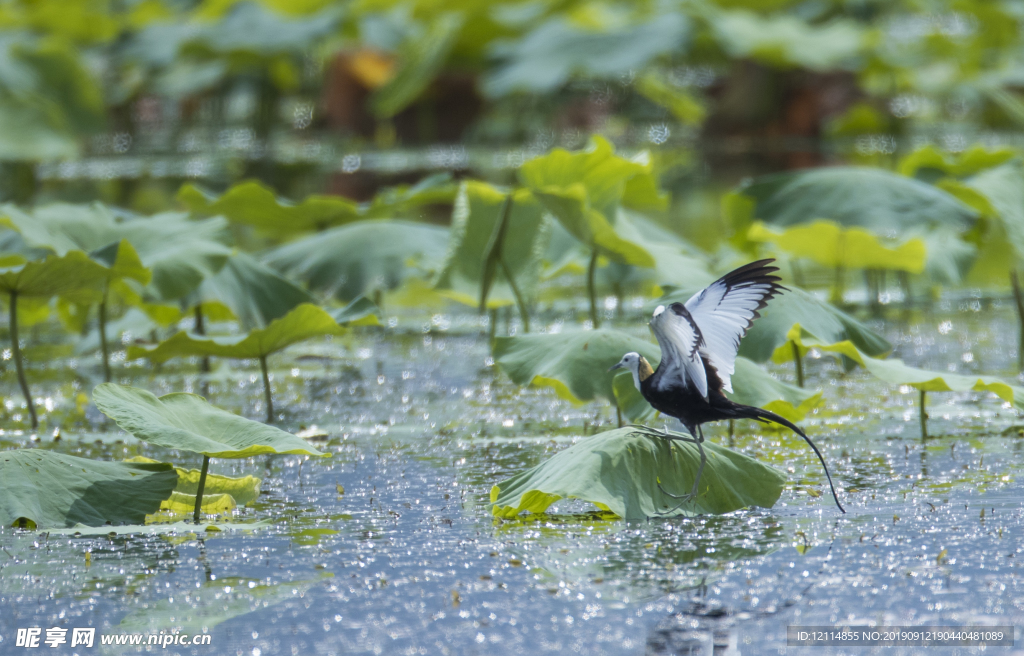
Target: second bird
699,340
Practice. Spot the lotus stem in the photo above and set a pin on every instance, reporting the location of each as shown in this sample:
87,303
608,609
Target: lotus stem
799,364
524,314
16,351
924,415
591,268
200,329
492,324
266,389
732,433
199,490
103,338
1018,296
618,415
837,287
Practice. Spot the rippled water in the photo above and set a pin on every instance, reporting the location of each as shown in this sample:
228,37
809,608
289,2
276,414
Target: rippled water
408,560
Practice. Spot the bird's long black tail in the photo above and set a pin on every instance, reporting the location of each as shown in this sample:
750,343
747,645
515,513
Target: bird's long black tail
763,415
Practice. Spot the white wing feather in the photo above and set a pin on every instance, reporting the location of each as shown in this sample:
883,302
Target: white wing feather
723,312
680,350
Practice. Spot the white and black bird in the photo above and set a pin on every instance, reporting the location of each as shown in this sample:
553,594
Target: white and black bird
699,340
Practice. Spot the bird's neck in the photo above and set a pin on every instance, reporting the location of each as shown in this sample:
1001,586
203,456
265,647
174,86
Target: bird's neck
643,372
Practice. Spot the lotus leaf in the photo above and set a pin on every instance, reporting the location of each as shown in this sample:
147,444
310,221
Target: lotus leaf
478,210
831,245
855,196
363,257
51,489
548,56
188,422
252,203
301,323
786,41
253,292
620,471
574,363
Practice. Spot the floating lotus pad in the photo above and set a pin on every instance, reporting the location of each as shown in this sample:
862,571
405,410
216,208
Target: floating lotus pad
619,471
55,490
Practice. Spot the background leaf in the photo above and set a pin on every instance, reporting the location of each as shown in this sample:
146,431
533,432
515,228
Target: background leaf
188,422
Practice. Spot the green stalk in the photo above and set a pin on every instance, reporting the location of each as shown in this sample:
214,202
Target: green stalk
492,325
1018,296
590,289
103,338
16,350
266,389
618,415
201,330
924,415
799,363
524,314
199,490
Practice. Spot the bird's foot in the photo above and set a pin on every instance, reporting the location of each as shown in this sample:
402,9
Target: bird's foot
651,431
682,498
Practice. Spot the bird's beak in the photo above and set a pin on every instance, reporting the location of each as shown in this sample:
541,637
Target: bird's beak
617,365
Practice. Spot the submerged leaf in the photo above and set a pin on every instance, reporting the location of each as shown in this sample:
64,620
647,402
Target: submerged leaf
619,470
51,489
188,422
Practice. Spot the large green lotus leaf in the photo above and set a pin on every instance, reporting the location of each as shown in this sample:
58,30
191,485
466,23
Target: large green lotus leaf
363,257
575,363
950,258
569,205
478,209
122,261
831,245
303,322
928,162
252,203
552,53
55,490
188,422
602,174
255,293
252,28
63,227
406,200
796,313
56,275
420,60
751,385
181,253
784,40
50,98
855,196
895,372
1003,188
619,470
676,261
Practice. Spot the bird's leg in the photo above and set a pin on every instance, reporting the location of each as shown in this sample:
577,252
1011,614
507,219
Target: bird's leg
686,498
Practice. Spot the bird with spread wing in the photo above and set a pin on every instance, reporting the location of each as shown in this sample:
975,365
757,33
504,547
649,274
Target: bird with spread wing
699,340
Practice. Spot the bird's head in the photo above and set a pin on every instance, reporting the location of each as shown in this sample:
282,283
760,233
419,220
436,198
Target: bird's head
637,365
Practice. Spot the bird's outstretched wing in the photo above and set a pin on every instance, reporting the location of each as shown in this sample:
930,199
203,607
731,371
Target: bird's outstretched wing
681,341
725,309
